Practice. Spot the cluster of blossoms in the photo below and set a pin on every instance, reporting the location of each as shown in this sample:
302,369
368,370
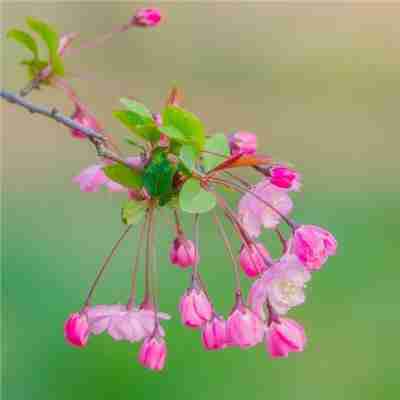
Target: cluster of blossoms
180,168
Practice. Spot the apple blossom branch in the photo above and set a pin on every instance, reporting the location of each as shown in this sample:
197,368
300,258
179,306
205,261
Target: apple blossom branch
98,140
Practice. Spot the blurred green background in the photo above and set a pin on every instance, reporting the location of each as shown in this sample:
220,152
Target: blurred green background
320,85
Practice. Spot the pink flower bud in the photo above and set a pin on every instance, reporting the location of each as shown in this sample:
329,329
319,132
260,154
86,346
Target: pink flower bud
153,353
183,252
313,245
76,330
285,178
284,337
243,142
244,327
83,117
147,17
253,259
195,308
65,42
214,334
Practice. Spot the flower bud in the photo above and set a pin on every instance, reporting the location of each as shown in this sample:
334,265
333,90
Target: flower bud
153,353
146,17
214,334
83,117
313,245
285,178
183,252
76,330
284,337
243,142
195,308
253,259
244,327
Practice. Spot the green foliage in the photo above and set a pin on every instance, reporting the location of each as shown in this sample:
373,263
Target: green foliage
138,108
34,67
124,175
174,134
158,177
218,144
133,211
188,156
194,199
26,40
191,129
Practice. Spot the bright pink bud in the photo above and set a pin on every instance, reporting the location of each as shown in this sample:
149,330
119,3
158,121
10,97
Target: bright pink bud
214,335
284,337
153,353
313,245
147,17
253,259
183,252
285,178
195,308
243,142
76,330
244,327
83,117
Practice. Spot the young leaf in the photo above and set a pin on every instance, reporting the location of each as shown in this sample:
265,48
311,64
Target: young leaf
34,67
138,108
173,133
124,175
26,40
218,147
188,156
51,38
187,123
133,211
194,199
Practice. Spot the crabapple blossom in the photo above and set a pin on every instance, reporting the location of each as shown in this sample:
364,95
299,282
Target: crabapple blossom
253,259
183,252
213,335
76,330
243,142
195,308
153,353
285,178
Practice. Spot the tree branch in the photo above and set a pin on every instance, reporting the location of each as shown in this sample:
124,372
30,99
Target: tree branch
98,140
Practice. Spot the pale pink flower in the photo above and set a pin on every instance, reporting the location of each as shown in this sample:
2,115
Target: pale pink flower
76,330
147,17
244,327
153,353
242,142
254,213
183,252
284,336
285,178
253,259
213,335
122,323
92,178
312,245
282,285
195,308
83,117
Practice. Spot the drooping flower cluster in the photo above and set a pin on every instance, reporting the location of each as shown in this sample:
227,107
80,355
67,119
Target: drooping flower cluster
181,168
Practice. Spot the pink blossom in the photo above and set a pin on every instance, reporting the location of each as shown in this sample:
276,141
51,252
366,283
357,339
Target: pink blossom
84,118
284,337
65,41
183,252
122,323
195,308
243,142
313,245
253,259
147,17
254,213
244,327
214,336
92,178
76,330
153,353
282,285
285,178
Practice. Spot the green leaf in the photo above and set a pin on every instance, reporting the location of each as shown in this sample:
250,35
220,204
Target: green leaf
174,133
51,38
188,156
34,67
218,144
194,199
137,108
133,211
26,40
187,123
124,175
138,125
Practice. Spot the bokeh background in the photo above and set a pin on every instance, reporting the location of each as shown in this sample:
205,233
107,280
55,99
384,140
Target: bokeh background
320,84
